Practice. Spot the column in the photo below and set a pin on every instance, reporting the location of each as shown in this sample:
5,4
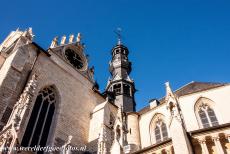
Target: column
158,152
227,135
203,146
218,145
168,150
228,138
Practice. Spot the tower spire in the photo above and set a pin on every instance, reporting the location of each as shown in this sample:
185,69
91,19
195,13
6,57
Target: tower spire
120,83
118,33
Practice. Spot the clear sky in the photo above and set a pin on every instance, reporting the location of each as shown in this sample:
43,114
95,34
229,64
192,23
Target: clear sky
176,41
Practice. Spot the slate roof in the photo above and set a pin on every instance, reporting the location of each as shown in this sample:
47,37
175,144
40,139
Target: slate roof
190,88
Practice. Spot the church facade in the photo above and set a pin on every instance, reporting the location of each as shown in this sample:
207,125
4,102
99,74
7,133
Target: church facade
49,98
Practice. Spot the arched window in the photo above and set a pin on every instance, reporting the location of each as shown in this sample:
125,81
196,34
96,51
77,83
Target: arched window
158,129
161,133
38,127
206,114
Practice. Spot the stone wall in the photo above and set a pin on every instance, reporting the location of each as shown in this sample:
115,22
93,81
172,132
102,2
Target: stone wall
102,121
221,98
133,135
14,73
75,99
144,124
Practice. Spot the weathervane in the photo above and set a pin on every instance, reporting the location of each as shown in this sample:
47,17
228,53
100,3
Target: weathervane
118,32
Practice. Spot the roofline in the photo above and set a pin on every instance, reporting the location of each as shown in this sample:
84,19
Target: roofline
224,84
183,86
99,93
41,49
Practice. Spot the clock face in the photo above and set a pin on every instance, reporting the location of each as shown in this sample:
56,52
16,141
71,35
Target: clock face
74,59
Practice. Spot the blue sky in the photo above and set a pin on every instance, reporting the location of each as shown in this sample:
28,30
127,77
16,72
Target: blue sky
176,41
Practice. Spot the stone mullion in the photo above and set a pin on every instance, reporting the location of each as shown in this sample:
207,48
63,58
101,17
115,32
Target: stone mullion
209,120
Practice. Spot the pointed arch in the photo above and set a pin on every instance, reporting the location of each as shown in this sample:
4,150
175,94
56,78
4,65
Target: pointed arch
158,129
205,111
39,126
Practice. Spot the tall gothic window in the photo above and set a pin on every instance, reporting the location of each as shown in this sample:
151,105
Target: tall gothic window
206,113
38,127
158,129
207,116
161,133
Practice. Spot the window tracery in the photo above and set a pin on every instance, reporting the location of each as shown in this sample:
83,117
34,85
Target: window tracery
158,129
206,115
38,126
161,133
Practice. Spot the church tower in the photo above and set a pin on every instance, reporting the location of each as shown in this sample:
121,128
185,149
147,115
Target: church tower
120,84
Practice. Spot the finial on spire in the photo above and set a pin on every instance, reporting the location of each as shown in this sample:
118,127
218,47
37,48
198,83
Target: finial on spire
168,89
169,92
167,84
118,32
